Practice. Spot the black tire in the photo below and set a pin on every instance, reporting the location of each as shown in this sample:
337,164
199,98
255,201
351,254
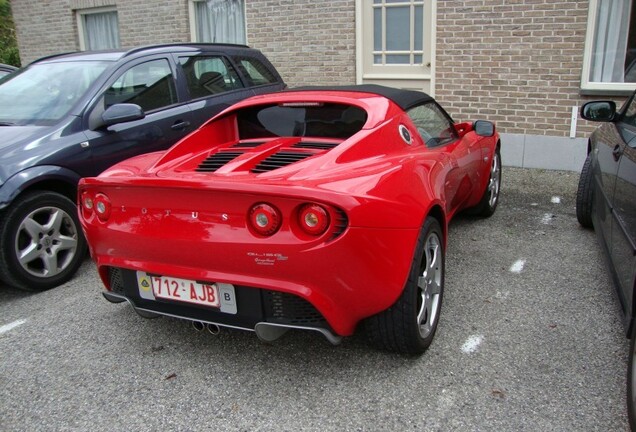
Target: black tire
584,195
631,391
489,200
409,325
42,244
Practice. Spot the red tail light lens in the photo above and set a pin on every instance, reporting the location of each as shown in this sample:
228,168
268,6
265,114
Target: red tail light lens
313,219
265,219
102,206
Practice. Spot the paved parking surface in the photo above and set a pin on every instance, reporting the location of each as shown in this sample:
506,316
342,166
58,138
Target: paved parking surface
530,338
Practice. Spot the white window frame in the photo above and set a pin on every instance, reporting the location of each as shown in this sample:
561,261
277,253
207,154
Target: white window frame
193,20
399,75
80,13
592,87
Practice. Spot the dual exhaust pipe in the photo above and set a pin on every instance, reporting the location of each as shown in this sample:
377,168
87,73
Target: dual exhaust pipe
212,328
269,332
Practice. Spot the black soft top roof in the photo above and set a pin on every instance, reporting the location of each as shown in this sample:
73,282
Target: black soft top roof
405,99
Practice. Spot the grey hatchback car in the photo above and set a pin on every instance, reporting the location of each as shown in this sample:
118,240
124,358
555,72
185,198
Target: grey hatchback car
69,116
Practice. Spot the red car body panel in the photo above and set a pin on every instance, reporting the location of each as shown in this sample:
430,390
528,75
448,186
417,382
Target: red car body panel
167,218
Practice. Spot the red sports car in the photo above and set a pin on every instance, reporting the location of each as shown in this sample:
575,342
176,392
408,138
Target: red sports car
316,209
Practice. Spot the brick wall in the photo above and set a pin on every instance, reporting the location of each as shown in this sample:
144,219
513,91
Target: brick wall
50,27
43,28
515,62
311,43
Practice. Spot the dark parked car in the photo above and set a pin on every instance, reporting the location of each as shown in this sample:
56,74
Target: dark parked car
606,200
73,115
6,69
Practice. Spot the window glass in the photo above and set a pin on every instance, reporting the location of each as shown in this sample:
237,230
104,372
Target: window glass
398,32
255,71
209,75
41,94
101,30
149,85
220,21
630,114
320,121
432,125
613,58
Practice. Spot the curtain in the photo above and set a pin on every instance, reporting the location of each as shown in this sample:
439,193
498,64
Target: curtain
610,41
221,21
101,31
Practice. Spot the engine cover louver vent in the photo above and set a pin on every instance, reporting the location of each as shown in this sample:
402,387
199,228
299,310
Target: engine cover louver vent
279,160
216,161
315,145
248,144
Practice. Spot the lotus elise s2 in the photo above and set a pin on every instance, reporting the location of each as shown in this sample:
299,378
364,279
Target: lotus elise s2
316,209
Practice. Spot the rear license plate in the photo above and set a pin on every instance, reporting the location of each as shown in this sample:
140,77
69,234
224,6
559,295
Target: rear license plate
214,295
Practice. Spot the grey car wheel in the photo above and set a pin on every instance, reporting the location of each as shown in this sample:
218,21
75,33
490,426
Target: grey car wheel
409,325
490,198
42,244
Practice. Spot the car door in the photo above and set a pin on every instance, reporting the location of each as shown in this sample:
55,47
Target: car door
623,227
150,83
463,156
212,83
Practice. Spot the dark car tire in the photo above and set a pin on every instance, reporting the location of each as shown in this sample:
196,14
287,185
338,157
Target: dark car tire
584,195
631,391
47,225
489,200
409,325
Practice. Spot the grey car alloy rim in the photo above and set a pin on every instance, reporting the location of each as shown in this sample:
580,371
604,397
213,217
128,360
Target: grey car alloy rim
493,184
46,242
429,284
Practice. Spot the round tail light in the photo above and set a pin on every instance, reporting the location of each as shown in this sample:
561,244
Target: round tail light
102,206
313,219
265,219
87,201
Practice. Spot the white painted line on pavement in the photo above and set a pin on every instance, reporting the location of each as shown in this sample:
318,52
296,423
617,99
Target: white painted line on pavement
472,344
517,267
547,218
7,327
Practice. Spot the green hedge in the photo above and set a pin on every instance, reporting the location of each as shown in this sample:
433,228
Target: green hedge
9,53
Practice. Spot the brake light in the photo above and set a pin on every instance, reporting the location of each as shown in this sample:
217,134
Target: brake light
265,219
102,206
87,201
313,219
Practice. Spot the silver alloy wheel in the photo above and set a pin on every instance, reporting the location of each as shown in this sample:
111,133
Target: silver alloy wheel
493,183
46,242
429,285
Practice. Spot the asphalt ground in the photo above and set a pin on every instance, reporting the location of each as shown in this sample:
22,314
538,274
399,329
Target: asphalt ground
530,339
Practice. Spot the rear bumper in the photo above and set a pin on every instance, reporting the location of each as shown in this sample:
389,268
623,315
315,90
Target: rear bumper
330,287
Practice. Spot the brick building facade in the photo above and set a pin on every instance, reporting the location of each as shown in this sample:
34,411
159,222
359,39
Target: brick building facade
516,62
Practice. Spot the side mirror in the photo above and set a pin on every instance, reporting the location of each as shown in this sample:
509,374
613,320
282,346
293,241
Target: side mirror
600,111
484,128
120,113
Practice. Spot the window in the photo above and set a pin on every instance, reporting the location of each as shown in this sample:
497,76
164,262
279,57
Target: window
433,126
255,71
149,85
98,29
46,91
398,32
610,47
219,21
209,75
395,43
314,120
